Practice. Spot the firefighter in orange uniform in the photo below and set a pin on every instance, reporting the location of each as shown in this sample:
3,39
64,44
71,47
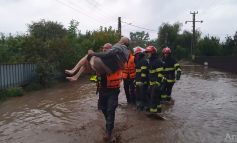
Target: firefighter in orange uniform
129,74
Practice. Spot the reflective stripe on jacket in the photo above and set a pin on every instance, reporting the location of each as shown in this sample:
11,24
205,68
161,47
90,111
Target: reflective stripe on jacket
142,71
155,71
170,66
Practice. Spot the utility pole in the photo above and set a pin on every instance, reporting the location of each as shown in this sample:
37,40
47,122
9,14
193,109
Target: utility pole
119,26
166,39
194,33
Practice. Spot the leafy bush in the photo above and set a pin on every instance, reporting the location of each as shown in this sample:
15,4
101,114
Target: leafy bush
44,73
181,52
208,47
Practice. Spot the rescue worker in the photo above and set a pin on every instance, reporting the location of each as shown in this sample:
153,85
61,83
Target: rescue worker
141,79
172,70
108,86
95,76
155,79
129,74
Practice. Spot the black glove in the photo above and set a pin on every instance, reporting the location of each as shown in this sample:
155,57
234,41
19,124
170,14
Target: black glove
163,83
134,82
149,89
178,74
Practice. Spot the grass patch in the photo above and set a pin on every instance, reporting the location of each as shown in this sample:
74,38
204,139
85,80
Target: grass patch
11,92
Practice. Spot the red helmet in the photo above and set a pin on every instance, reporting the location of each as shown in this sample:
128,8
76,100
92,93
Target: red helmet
166,50
151,49
138,50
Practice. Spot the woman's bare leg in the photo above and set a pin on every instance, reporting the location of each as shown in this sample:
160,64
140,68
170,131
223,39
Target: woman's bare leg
77,75
78,66
94,64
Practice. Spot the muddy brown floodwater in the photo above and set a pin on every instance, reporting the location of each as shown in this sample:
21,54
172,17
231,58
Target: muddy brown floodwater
205,111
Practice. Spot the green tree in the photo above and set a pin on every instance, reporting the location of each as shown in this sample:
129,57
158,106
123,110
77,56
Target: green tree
184,44
102,36
168,35
46,30
11,48
72,30
208,46
181,52
229,47
139,39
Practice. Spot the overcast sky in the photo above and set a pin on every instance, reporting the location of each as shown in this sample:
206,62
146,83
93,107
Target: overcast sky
219,16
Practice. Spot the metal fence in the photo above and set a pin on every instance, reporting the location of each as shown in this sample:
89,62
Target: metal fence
227,63
12,75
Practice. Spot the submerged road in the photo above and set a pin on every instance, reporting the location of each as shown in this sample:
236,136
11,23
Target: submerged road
205,111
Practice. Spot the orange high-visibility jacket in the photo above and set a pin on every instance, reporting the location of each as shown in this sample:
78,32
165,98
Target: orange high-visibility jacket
114,79
129,70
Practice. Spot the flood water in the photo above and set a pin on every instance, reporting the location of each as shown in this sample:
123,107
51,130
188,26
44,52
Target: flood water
205,111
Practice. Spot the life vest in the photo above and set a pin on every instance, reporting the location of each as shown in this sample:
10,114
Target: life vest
114,80
129,70
110,81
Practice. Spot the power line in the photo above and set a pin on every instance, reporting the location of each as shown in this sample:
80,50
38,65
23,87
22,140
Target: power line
197,4
130,24
110,10
102,10
71,7
135,29
209,6
98,13
212,3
